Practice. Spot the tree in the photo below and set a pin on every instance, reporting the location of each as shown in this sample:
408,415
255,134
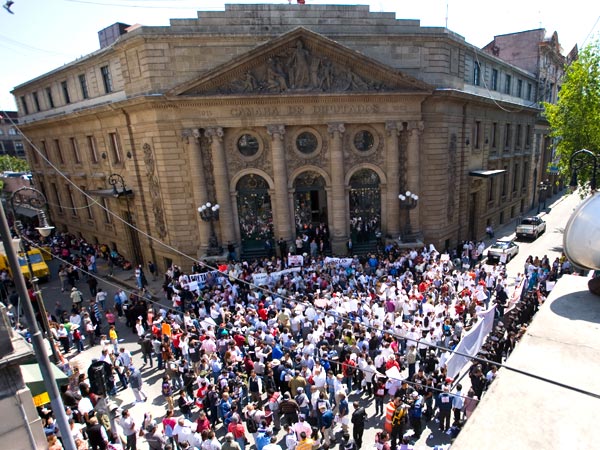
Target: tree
13,164
575,118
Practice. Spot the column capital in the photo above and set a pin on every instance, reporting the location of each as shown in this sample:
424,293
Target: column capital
416,126
392,127
276,131
338,127
186,134
214,133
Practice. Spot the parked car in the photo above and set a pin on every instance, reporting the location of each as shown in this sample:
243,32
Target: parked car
503,250
530,227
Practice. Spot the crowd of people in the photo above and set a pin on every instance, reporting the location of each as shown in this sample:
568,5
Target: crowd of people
297,359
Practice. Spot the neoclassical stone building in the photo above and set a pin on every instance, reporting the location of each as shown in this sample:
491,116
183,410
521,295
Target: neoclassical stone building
288,117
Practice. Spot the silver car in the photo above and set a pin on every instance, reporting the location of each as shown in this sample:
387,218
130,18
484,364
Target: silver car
503,250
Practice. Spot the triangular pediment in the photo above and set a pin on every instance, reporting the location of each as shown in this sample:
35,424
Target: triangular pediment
300,62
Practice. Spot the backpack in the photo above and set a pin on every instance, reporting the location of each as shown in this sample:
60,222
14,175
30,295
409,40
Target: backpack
251,424
166,389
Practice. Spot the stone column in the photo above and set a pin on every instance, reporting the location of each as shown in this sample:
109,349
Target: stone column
413,168
283,228
339,225
392,162
192,139
221,176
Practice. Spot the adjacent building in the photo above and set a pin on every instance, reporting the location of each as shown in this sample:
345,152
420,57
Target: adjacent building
10,140
541,54
291,118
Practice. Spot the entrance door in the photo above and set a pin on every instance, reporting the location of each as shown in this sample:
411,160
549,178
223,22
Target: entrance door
365,206
310,201
254,212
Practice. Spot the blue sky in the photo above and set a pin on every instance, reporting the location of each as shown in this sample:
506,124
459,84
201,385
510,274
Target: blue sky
42,35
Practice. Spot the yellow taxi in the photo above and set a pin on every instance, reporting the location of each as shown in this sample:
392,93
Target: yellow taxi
38,265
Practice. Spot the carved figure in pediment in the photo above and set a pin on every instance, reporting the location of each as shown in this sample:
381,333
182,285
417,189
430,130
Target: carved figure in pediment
299,67
249,83
276,77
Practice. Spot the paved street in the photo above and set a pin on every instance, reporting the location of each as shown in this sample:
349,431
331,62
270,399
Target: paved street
550,243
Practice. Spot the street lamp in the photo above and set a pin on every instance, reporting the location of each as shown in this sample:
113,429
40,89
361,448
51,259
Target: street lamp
209,213
581,238
582,159
542,188
408,201
37,340
30,198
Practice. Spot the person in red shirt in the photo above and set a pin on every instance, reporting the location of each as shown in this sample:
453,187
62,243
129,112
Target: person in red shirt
262,312
238,431
202,423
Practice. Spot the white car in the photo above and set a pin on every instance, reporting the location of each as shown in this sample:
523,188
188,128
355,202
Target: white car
503,250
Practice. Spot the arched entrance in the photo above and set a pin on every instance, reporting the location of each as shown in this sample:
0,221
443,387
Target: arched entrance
310,205
254,212
365,205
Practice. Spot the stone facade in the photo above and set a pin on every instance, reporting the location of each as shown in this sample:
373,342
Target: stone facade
541,55
288,117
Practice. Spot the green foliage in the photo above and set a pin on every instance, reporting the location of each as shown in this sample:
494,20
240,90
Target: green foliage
13,164
575,118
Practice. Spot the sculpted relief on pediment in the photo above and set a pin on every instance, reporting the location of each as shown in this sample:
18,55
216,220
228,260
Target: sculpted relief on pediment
294,69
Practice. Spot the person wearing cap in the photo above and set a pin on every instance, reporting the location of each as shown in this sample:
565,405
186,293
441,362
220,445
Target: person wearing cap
155,439
230,443
415,413
444,404
76,298
289,409
136,382
237,429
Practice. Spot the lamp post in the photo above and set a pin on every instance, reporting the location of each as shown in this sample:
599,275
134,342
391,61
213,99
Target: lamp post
581,238
114,179
542,188
37,340
28,197
209,213
408,202
580,160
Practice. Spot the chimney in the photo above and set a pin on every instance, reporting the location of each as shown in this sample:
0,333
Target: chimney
111,33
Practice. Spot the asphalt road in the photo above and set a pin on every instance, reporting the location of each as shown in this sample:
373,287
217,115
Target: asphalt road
550,243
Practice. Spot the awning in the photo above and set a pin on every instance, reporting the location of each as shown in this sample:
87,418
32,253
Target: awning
486,173
35,381
27,212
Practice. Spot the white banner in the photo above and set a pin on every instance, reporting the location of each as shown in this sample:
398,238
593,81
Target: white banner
295,260
260,279
201,278
344,262
471,343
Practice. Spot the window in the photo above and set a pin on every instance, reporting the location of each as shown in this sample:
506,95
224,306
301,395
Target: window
12,131
494,80
525,177
50,99
83,85
104,204
507,84
490,189
507,136
529,91
550,93
71,200
527,136
33,152
307,143
86,202
24,104
36,101
519,88
65,91
106,79
91,140
56,197
504,181
364,141
45,151
75,150
516,177
248,145
518,143
115,147
477,74
59,151
494,135
477,134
